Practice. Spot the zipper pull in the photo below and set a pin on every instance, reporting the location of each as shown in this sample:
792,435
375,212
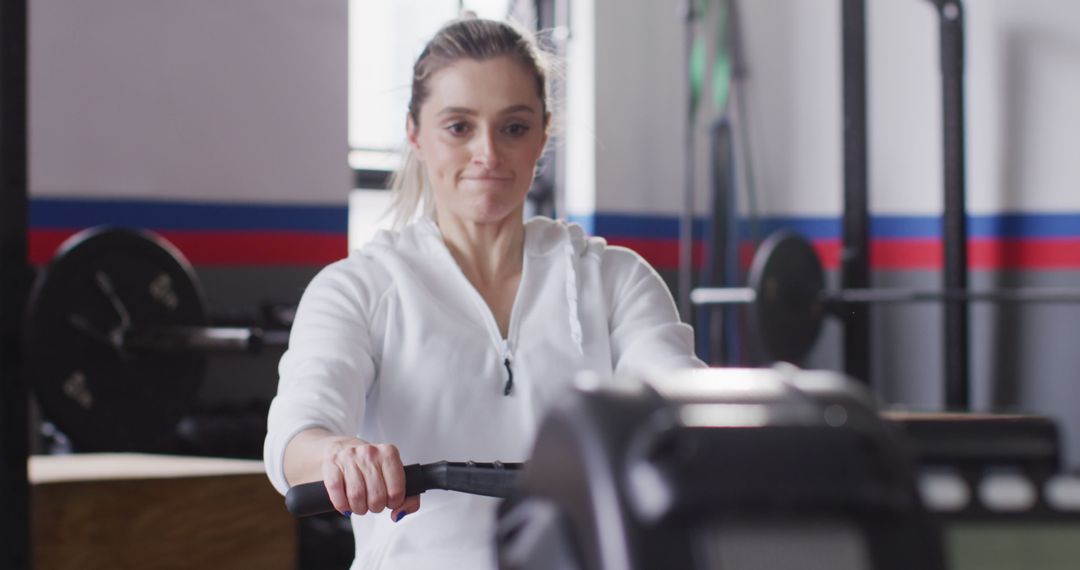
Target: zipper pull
507,357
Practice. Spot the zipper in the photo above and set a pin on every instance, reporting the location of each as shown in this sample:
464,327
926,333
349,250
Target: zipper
504,346
508,357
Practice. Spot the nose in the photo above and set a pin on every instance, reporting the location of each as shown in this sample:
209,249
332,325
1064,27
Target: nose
485,149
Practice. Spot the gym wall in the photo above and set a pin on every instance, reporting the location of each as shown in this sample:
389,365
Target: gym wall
222,126
1023,179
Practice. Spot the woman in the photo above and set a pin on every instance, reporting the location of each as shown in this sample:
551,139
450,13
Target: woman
446,339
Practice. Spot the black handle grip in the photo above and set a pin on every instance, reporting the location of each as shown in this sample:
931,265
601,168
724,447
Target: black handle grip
488,479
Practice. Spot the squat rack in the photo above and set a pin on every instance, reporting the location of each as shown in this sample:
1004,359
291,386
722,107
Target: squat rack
855,251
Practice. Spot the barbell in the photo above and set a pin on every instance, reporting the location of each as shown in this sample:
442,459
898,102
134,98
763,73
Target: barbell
116,339
117,335
788,299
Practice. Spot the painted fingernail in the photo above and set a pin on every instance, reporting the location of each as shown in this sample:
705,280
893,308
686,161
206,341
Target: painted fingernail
347,514
400,516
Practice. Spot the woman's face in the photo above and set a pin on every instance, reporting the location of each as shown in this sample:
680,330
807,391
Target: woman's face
481,131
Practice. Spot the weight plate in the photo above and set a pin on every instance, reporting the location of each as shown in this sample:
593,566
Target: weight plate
102,282
788,310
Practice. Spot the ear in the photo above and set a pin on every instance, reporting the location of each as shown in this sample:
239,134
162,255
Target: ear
547,129
412,131
547,133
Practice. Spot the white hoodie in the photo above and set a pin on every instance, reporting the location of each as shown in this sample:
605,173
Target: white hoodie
394,345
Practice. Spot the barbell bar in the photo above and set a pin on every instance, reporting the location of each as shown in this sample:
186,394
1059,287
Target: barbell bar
747,295
203,338
788,298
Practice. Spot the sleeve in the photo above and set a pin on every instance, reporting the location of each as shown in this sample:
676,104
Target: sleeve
328,368
646,332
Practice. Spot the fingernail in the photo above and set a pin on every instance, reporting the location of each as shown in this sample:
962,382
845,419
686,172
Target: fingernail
400,516
347,514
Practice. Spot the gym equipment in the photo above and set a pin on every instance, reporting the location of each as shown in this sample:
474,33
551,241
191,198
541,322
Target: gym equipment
700,469
729,468
962,441
788,300
855,263
106,511
489,479
116,339
855,222
718,468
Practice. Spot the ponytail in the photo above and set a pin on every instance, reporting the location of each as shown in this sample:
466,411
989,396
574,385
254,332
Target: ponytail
412,192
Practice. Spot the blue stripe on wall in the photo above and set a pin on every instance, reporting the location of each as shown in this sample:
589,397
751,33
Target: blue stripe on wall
48,213
641,226
1026,226
1033,225
163,215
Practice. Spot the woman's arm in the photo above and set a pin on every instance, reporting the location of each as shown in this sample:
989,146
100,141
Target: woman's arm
324,377
646,332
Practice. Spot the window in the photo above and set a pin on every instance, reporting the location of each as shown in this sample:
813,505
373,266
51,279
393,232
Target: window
385,38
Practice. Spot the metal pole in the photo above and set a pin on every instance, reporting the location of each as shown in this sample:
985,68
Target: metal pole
843,299
686,220
855,255
14,280
954,235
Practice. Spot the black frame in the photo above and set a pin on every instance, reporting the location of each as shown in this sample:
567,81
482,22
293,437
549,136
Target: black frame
369,179
14,284
855,253
954,220
855,256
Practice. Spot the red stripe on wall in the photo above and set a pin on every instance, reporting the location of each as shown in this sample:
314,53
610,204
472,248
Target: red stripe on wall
43,244
1048,253
224,248
300,248
983,254
260,248
927,254
660,253
907,254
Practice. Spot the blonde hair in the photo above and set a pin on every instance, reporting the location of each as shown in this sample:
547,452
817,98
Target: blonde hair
466,38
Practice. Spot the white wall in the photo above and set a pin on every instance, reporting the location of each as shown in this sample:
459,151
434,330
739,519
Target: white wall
577,130
198,100
1023,120
640,89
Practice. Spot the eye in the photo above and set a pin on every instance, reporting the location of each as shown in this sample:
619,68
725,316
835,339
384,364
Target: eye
516,129
458,128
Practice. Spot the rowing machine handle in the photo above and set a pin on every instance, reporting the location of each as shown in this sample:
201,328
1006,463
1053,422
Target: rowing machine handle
489,479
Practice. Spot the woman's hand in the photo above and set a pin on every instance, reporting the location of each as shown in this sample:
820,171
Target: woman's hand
361,477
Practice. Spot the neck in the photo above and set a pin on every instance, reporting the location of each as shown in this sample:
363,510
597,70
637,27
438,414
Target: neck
487,253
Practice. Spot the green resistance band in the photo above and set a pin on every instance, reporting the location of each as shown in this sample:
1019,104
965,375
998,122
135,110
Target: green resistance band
722,66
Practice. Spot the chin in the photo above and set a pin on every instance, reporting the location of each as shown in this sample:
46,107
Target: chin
494,213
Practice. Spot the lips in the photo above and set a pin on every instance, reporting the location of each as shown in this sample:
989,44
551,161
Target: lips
491,177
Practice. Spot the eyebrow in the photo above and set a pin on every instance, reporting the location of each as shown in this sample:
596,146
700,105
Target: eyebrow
472,112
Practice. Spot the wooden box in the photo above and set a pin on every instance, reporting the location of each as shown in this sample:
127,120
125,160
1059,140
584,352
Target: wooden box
120,511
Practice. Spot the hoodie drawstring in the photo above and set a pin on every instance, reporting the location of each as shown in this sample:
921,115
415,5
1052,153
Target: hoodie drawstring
573,319
572,294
